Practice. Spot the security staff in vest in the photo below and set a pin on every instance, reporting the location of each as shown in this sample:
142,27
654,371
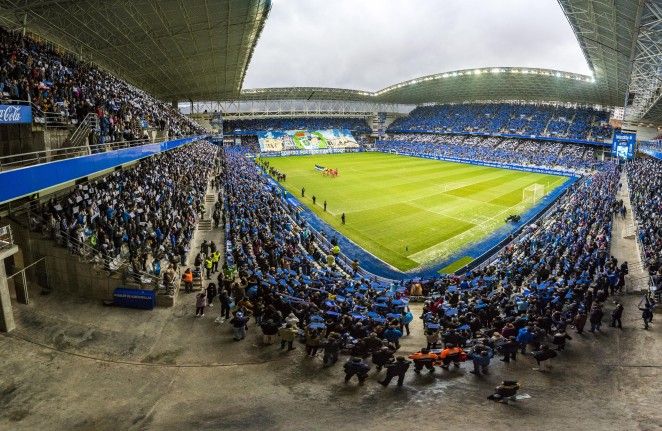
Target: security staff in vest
215,257
208,266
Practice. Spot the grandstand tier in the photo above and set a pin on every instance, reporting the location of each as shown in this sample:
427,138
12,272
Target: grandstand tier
478,224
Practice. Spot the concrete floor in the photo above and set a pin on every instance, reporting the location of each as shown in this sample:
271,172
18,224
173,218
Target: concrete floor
76,365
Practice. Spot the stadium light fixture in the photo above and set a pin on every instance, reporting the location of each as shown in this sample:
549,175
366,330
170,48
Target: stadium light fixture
477,72
495,70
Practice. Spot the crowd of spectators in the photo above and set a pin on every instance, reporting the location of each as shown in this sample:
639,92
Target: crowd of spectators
358,125
557,274
143,214
645,180
539,120
56,82
512,151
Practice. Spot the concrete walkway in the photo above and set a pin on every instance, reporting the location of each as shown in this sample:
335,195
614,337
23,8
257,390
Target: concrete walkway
624,246
204,231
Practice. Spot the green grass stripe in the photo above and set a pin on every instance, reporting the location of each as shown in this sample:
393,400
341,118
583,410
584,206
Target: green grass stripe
410,211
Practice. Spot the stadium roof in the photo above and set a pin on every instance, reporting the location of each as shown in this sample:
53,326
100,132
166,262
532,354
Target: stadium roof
607,33
200,50
173,49
498,83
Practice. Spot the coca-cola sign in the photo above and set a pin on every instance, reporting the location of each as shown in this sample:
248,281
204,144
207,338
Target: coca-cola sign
14,114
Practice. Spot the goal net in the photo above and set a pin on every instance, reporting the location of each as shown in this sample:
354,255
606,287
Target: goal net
533,193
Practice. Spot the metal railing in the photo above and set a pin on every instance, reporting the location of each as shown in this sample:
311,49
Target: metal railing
47,119
79,137
31,212
42,156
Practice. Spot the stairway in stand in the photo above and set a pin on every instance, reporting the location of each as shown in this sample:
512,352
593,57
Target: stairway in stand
624,244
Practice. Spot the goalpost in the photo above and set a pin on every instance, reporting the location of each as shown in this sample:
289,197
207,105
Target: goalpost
533,193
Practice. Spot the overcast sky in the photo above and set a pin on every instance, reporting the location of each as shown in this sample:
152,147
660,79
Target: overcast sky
370,44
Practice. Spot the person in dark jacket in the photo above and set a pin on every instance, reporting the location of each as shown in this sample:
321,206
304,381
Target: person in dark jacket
356,367
647,313
542,356
269,331
398,368
616,315
212,291
559,340
580,322
595,318
381,357
509,349
332,347
225,300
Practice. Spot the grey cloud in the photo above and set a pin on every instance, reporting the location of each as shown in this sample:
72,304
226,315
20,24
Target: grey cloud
369,44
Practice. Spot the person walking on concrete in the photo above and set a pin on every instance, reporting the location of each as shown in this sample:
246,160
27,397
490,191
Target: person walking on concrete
226,301
342,218
647,312
200,304
187,278
215,258
616,315
303,192
287,336
208,266
395,368
332,347
542,357
239,326
325,205
595,318
356,367
212,291
580,322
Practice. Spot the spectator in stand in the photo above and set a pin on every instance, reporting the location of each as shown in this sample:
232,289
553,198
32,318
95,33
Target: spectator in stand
546,278
56,82
140,215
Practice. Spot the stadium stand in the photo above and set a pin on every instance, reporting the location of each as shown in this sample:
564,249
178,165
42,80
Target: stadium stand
538,285
140,215
514,151
56,82
539,120
645,180
357,125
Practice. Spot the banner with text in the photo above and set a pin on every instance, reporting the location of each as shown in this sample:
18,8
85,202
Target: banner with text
290,140
15,114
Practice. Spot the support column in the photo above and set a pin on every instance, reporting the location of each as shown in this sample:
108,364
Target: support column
7,323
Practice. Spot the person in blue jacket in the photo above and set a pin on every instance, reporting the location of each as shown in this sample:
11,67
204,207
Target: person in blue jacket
481,359
392,334
407,317
524,337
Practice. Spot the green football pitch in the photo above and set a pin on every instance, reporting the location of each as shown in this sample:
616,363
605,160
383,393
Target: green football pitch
409,211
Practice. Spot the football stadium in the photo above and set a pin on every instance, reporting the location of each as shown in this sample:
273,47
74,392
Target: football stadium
330,214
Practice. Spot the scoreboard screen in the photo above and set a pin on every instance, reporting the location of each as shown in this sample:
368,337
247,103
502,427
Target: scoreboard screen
623,145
